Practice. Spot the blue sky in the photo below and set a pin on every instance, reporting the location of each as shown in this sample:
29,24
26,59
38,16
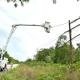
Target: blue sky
27,40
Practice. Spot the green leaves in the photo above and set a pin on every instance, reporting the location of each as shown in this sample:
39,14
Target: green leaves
16,2
62,54
10,59
45,55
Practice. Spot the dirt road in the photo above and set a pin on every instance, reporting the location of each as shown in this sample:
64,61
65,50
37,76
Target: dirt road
11,66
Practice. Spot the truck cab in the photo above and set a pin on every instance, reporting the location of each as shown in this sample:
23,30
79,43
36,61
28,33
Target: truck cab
3,62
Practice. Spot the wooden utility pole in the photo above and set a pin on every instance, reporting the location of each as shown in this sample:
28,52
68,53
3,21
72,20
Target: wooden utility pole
70,36
54,1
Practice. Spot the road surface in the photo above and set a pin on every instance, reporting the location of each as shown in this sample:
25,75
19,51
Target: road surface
12,66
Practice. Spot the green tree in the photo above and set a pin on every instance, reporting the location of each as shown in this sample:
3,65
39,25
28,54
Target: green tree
45,55
77,53
7,56
61,40
15,2
10,59
62,51
62,54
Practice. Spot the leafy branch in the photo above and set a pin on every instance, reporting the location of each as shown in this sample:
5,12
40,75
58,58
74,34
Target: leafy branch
15,2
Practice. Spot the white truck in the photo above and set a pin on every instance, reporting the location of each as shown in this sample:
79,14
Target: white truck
3,64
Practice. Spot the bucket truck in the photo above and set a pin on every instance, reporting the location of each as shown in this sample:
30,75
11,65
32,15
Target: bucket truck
3,60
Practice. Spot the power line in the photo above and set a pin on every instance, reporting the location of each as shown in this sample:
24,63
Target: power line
71,29
61,24
74,37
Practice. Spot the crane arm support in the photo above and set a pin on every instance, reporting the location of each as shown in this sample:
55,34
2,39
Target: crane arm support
8,39
25,25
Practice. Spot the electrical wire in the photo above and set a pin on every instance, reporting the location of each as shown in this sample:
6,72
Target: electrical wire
53,38
61,24
71,29
74,37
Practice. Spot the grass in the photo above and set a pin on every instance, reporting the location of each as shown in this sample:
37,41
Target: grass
42,71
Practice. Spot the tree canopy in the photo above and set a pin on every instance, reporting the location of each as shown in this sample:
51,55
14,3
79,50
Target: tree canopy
60,54
45,55
15,2
10,59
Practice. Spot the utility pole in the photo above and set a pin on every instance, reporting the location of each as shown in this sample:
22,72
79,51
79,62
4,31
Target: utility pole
70,36
54,1
77,0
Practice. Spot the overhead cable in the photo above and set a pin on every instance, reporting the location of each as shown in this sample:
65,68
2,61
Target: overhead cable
61,24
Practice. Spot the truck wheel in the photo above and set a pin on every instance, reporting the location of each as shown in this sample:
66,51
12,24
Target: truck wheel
1,69
5,67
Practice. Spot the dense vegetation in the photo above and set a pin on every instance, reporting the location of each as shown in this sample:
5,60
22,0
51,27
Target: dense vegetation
60,54
10,59
48,64
42,71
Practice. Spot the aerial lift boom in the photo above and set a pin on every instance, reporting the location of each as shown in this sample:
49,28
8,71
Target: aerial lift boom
4,61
